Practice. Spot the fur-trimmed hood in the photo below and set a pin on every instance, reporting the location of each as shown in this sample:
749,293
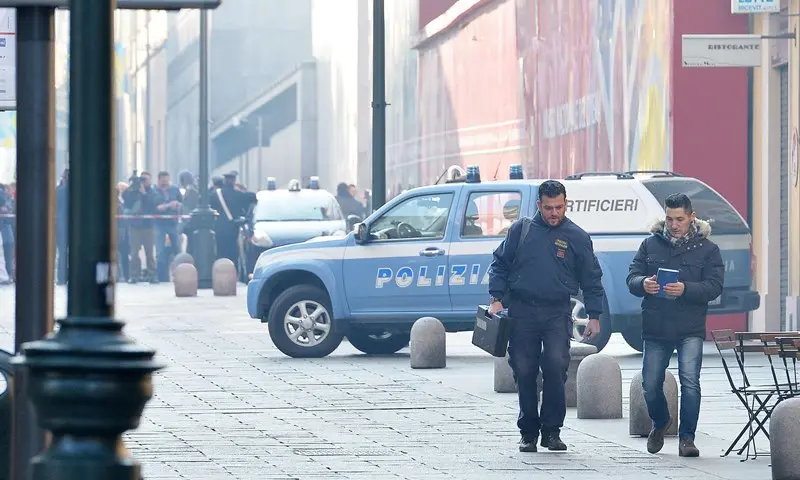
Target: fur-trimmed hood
703,227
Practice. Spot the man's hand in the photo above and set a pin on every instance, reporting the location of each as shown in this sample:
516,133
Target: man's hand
650,285
674,289
592,329
162,207
495,307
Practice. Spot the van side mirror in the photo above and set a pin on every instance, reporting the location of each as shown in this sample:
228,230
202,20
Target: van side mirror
361,233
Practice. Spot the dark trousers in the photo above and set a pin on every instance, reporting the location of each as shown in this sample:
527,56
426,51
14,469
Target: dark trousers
61,255
123,252
539,340
227,237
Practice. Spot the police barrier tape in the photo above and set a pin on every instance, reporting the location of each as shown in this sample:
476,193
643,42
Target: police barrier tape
125,216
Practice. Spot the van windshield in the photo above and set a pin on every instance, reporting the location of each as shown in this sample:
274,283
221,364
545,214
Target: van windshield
302,206
708,204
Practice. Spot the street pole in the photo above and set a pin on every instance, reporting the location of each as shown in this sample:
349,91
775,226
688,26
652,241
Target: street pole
259,155
89,382
202,221
378,105
35,213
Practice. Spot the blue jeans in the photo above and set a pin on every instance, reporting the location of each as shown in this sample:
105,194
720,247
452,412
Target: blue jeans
162,251
657,355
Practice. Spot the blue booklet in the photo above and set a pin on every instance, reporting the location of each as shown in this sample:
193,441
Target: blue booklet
663,277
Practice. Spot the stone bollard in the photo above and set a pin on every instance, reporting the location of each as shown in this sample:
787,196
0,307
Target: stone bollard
639,420
428,344
180,259
599,382
504,376
185,280
577,352
224,278
784,430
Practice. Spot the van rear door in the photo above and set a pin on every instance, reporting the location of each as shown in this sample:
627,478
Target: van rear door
728,230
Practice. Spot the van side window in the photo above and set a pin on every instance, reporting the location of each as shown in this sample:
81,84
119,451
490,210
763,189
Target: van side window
423,216
490,214
708,204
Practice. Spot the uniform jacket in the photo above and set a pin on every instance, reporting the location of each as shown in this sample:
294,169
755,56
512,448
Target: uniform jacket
553,263
702,272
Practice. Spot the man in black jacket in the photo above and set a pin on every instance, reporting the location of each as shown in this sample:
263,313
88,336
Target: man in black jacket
676,320
535,270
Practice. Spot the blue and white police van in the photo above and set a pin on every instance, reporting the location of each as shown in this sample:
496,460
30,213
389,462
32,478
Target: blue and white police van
290,215
427,252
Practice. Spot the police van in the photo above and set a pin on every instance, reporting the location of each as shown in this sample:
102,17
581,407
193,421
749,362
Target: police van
427,253
286,216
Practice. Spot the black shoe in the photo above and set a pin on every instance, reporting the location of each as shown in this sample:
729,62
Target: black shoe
686,448
527,444
655,441
552,441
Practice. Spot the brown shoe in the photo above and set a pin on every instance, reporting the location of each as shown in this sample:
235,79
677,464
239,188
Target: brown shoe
686,448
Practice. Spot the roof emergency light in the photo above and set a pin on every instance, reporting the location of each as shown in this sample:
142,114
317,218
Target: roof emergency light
515,172
473,174
294,185
272,184
313,183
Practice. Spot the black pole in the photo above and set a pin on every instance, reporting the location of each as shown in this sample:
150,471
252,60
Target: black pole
378,106
202,221
88,382
35,213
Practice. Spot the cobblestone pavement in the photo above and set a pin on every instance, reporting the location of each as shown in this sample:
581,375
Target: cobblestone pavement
231,406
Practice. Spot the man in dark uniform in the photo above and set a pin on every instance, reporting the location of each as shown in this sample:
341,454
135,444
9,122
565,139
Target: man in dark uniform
231,208
536,269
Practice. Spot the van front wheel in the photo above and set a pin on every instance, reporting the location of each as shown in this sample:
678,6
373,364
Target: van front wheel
301,324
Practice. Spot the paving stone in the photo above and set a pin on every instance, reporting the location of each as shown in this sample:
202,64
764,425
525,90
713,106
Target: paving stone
230,406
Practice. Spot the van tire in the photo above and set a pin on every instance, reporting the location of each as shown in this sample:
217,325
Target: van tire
601,340
633,337
290,303
372,342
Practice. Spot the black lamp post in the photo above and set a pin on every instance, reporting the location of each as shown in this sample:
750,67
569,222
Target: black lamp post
89,382
202,221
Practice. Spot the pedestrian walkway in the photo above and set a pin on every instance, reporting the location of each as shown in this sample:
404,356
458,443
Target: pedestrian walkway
230,406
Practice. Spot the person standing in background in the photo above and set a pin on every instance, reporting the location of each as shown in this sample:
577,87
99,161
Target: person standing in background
123,241
62,229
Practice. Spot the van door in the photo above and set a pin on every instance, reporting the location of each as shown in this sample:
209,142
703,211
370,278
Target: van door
728,230
486,213
401,271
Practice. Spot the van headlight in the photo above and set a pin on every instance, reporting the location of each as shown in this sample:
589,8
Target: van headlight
261,239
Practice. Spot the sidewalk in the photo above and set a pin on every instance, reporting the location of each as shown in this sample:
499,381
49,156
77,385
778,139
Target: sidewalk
230,406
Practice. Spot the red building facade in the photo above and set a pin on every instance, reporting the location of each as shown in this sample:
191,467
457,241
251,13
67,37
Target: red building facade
563,86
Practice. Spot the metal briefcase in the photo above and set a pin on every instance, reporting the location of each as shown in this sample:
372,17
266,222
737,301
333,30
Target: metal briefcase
491,331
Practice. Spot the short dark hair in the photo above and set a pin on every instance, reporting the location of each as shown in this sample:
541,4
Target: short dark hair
552,189
679,200
145,174
163,173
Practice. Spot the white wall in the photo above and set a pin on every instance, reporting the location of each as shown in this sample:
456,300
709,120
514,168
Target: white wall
342,45
279,160
335,45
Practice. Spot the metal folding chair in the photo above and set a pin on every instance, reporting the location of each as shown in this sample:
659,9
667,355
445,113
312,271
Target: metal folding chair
758,400
782,355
